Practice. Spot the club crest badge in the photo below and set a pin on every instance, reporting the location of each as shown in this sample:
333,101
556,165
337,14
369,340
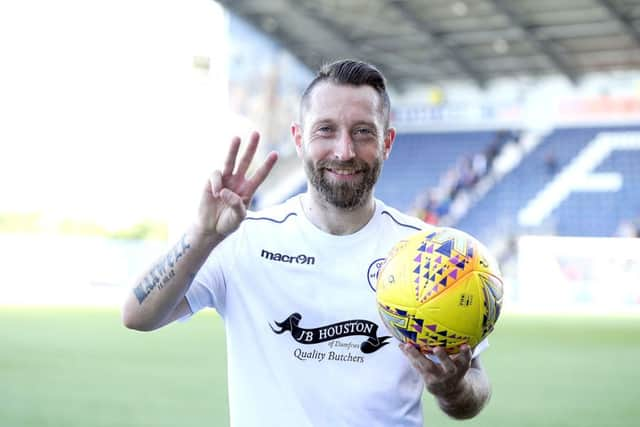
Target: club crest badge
373,271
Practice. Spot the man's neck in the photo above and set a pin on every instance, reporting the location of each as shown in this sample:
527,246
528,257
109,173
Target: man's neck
334,220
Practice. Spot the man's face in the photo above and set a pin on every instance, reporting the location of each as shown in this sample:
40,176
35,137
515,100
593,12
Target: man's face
343,143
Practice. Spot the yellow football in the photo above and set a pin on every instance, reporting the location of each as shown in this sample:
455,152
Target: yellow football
439,287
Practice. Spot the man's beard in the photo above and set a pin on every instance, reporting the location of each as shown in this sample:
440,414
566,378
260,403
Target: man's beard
344,195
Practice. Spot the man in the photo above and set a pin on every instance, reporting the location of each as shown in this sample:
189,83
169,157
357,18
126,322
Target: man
294,283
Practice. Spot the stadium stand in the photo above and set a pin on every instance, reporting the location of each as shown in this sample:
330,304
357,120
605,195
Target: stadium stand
419,161
581,214
599,214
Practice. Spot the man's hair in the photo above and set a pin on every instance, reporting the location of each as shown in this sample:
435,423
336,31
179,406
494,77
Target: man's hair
354,73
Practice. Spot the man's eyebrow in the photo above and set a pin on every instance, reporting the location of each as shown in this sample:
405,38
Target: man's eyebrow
365,123
322,121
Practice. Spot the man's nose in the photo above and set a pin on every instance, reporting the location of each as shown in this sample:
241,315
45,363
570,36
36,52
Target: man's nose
344,148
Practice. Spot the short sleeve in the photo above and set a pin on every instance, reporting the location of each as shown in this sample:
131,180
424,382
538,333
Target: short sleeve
209,287
482,346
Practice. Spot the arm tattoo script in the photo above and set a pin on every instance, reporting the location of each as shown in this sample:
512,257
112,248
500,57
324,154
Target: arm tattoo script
161,272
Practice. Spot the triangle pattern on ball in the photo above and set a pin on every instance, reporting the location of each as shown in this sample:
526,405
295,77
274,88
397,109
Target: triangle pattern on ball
409,334
445,248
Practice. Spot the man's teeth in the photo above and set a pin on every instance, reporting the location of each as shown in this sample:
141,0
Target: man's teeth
343,171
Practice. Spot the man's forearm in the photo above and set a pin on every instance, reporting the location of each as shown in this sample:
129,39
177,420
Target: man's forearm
471,396
160,290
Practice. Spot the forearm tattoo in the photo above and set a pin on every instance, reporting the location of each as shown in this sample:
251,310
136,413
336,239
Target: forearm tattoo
161,272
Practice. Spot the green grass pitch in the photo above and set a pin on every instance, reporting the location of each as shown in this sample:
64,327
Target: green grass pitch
80,367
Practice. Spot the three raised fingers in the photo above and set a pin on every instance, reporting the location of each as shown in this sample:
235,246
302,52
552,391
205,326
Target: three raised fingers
247,156
250,185
262,172
230,161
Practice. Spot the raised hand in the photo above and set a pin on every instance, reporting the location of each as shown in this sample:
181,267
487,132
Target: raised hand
441,379
227,193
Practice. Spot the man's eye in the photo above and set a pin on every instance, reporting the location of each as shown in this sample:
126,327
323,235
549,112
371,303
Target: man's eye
364,131
324,129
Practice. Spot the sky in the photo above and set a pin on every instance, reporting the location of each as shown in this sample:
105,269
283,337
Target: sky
103,114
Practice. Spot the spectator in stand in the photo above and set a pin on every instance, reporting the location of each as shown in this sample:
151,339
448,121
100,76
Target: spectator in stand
453,189
493,149
551,163
430,212
466,173
628,228
479,165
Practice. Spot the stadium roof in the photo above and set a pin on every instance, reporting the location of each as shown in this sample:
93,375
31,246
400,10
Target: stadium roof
433,41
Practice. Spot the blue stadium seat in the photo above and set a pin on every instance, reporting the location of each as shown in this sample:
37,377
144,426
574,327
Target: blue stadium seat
418,161
581,214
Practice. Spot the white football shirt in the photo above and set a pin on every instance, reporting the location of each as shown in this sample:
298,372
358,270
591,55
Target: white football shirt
305,343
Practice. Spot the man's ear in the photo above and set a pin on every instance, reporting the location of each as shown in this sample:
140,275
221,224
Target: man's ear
296,134
389,138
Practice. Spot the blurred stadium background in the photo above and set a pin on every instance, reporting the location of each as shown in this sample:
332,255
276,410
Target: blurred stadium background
519,122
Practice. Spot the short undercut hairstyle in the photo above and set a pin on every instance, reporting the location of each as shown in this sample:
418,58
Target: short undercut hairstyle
354,73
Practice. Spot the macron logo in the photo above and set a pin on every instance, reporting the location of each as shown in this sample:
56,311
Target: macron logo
297,259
